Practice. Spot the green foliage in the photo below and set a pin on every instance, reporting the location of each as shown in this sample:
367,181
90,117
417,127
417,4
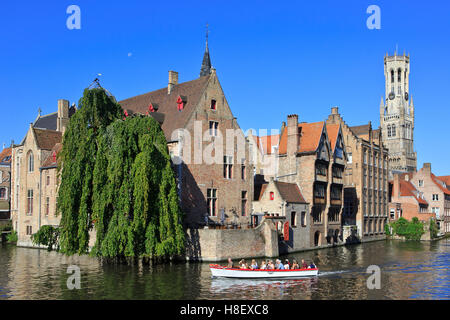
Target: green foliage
12,237
433,229
47,236
6,227
78,157
411,230
117,179
387,229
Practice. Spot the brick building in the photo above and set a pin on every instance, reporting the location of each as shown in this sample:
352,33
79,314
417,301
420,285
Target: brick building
5,183
432,190
264,154
306,158
365,179
33,174
406,201
208,148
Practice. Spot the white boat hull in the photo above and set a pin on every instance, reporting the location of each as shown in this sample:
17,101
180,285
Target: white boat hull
220,271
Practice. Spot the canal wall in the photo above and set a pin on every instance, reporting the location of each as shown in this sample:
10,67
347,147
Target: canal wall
213,245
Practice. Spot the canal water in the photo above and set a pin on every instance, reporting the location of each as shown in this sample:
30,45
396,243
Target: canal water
409,270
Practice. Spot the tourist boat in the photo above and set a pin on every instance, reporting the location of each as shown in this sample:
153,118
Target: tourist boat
221,271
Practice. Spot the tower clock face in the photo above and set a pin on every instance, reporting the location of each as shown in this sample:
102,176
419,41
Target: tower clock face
406,96
391,96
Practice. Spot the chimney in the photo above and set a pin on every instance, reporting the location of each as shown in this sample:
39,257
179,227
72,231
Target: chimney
335,110
293,134
63,115
427,168
173,81
396,186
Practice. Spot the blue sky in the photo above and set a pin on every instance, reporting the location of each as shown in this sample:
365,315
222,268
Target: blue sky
272,58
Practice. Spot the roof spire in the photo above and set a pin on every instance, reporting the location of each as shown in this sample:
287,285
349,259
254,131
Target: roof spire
206,64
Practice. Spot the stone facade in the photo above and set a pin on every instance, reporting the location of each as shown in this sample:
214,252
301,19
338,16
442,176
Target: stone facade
397,115
365,179
34,183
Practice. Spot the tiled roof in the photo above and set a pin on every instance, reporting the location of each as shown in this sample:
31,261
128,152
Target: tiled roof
46,139
445,179
333,131
360,130
190,91
439,184
5,156
52,159
290,192
408,190
310,134
265,143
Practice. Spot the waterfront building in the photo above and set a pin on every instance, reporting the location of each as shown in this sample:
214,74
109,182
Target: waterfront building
214,174
5,183
406,201
432,192
365,179
34,173
306,158
397,115
284,202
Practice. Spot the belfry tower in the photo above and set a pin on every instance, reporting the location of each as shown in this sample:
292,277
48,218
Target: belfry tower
397,115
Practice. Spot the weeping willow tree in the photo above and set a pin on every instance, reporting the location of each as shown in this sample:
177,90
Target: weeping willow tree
116,178
136,211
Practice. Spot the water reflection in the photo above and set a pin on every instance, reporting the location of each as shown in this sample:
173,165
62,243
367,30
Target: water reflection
408,271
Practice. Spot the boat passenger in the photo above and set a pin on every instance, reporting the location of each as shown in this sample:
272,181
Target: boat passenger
230,263
243,264
295,265
279,265
270,265
304,264
254,264
287,264
312,265
263,265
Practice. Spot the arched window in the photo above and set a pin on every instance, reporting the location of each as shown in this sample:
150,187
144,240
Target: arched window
394,130
30,162
399,77
389,132
392,76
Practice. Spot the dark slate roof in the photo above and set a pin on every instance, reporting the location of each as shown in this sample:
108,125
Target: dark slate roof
360,130
290,192
46,122
191,93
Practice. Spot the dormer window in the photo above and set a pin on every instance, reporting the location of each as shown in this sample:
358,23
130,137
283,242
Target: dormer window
181,102
213,105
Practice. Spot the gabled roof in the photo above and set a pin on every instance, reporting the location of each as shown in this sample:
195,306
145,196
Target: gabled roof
360,130
167,103
5,157
49,121
265,143
333,131
52,161
289,192
46,139
440,183
310,134
407,189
